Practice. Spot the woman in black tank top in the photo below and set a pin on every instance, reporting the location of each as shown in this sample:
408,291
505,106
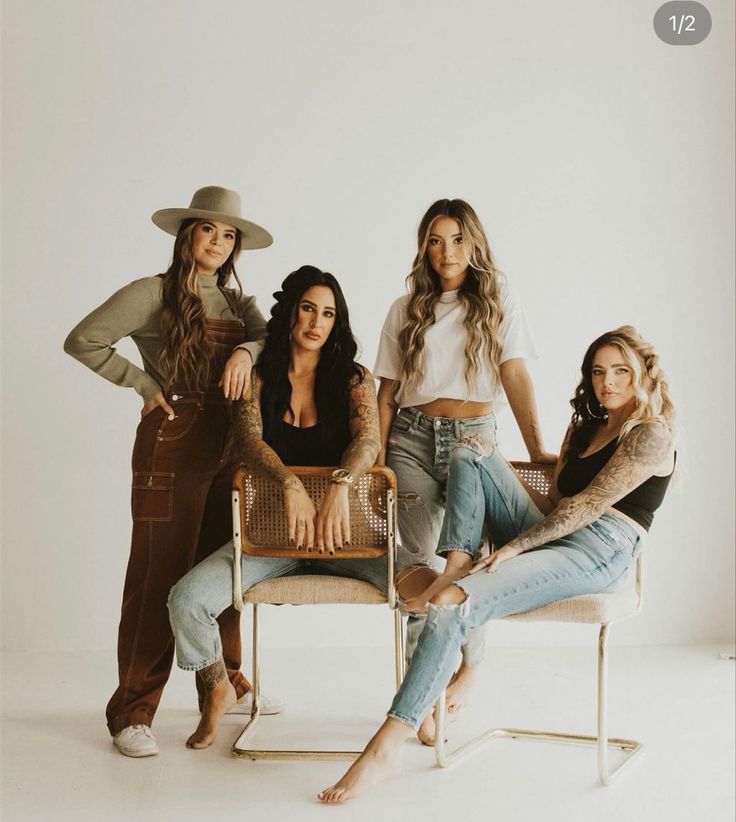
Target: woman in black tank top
615,464
310,404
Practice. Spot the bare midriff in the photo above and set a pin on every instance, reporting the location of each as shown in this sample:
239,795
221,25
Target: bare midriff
455,409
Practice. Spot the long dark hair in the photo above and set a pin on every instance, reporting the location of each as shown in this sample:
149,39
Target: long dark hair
185,351
337,370
651,388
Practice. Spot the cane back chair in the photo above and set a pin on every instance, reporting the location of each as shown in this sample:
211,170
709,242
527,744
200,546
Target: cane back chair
597,609
260,529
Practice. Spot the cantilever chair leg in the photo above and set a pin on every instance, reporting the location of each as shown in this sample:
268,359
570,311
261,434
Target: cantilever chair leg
602,741
239,748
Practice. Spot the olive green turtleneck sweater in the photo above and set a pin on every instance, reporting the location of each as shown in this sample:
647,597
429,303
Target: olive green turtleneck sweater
135,312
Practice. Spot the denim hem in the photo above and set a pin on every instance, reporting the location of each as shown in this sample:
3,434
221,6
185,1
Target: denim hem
442,550
198,666
413,724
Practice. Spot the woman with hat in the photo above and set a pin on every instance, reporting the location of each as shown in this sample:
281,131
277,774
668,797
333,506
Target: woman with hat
198,340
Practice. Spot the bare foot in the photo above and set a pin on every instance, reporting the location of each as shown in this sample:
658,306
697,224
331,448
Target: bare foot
426,731
460,687
217,703
369,769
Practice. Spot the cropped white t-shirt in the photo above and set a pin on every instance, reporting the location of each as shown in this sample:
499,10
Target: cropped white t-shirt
443,355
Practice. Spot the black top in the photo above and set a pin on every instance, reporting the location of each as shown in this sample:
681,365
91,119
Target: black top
640,504
310,446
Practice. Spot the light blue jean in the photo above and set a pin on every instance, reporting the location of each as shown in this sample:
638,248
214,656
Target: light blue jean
419,450
485,488
205,592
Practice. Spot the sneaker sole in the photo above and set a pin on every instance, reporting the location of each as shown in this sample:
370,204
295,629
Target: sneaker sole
135,754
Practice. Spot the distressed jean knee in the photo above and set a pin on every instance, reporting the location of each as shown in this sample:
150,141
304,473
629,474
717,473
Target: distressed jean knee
413,523
409,500
439,614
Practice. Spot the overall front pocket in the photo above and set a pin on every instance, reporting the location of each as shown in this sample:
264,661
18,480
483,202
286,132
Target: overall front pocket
153,496
187,413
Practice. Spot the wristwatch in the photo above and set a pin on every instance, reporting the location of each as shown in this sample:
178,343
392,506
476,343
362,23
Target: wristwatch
341,476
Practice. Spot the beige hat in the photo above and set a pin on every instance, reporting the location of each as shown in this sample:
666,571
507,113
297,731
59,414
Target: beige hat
214,203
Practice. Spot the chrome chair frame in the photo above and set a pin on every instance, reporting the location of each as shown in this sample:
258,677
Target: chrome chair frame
240,600
602,742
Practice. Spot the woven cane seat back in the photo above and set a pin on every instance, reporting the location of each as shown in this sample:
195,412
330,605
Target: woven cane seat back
264,526
538,475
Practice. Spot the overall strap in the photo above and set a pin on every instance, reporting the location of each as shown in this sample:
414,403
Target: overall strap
233,303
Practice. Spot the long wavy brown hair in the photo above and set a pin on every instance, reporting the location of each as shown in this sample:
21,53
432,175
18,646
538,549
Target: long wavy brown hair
649,381
479,294
186,352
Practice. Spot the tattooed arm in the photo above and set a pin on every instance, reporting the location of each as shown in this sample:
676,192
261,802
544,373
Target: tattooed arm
638,456
259,457
248,443
333,519
361,454
387,410
519,390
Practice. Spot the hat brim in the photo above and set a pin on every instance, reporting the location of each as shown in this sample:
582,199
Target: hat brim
253,235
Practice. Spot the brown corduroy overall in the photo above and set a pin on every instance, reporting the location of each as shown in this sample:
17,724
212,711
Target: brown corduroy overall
181,514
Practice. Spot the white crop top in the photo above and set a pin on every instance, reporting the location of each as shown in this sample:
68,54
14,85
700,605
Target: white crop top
443,355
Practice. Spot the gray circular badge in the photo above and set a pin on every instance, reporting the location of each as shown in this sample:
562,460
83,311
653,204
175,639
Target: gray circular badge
682,23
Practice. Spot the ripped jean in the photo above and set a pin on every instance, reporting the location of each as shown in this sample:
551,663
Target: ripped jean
419,449
588,561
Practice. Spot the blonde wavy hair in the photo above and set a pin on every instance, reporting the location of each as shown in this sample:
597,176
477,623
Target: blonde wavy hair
186,353
649,381
479,294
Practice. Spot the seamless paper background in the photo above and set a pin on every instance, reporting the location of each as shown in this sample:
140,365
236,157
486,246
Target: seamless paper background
599,158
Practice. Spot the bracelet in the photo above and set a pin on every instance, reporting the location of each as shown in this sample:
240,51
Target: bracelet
341,476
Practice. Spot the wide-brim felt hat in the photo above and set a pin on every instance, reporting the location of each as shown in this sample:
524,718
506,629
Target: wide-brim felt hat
219,204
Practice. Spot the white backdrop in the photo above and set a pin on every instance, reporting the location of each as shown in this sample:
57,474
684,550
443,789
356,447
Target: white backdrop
599,158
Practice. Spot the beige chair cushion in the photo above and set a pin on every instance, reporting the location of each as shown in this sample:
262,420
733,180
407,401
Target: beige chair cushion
592,608
314,589
329,590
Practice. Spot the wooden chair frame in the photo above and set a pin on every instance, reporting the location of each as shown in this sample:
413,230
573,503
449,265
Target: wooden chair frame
241,544
540,476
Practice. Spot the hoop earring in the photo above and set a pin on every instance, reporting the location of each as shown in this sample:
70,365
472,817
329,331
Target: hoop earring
602,415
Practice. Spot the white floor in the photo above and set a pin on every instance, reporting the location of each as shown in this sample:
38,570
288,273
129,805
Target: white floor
58,762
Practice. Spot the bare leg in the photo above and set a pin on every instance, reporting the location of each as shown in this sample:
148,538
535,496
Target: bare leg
426,731
219,697
443,590
460,687
380,761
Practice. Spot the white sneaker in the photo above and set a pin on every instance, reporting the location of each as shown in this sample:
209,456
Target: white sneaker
136,740
269,704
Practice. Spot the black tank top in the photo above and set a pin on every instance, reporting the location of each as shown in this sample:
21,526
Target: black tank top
640,504
309,446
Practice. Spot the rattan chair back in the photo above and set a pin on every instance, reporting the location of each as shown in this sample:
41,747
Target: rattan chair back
264,530
538,475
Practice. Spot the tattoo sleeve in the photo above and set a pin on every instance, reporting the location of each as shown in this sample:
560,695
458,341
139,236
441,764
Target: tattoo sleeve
212,674
637,457
361,454
248,444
